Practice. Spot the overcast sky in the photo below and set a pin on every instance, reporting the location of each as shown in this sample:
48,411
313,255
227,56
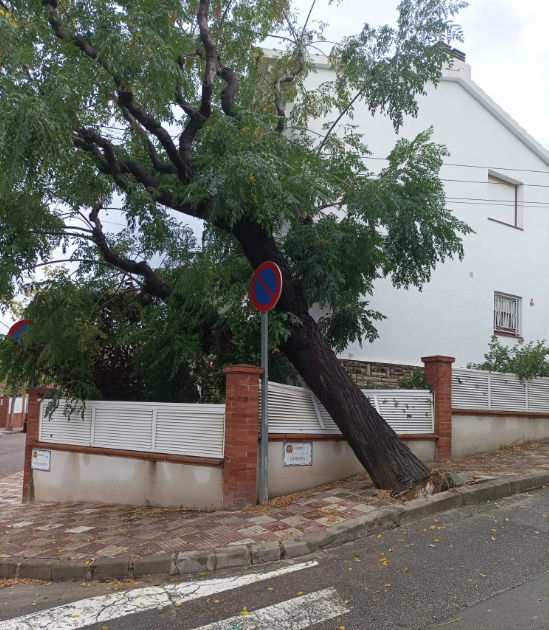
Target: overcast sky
506,43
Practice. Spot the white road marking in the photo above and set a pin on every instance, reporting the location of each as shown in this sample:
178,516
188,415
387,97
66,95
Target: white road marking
293,614
102,608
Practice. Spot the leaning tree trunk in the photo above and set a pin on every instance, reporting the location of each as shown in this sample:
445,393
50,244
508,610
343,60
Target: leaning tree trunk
389,462
10,421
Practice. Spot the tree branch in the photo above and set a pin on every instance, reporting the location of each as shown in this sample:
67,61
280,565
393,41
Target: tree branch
79,41
87,261
278,92
153,284
64,234
86,140
336,121
126,100
228,93
158,164
101,306
308,16
197,122
125,97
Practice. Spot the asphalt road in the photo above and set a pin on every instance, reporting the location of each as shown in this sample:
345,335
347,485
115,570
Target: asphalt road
480,568
12,453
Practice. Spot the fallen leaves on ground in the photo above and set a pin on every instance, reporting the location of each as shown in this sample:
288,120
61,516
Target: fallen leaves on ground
446,623
17,581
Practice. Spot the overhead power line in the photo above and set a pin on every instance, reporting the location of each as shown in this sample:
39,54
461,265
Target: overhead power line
497,205
495,168
542,203
478,181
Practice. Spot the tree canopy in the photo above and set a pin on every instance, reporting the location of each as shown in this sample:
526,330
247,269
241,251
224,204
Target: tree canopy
147,113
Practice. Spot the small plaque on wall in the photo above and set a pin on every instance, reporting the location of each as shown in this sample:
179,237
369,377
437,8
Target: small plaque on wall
298,454
41,460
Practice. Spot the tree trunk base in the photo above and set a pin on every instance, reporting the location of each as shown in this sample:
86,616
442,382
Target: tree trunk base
432,484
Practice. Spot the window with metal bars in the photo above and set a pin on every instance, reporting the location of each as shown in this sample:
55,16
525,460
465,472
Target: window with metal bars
506,314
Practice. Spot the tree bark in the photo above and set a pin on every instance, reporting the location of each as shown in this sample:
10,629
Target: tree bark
389,462
10,421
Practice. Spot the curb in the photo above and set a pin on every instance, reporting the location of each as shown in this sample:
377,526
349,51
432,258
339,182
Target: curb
64,569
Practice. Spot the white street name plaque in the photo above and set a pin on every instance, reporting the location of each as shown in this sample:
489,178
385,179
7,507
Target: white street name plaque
298,454
41,460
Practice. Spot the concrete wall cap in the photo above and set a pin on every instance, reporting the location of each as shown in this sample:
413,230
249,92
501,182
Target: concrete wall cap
438,358
243,368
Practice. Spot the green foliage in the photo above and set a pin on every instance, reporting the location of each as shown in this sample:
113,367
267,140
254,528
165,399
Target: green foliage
415,381
339,228
526,360
371,385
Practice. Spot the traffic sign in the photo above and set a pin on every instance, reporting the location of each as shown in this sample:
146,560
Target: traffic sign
265,292
18,330
266,286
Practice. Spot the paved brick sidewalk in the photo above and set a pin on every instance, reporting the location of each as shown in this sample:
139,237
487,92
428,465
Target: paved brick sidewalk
94,531
11,489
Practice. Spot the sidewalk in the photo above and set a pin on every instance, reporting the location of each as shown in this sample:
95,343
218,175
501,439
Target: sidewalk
82,531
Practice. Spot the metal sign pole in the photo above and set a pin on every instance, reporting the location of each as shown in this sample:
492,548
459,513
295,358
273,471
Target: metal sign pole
265,292
264,425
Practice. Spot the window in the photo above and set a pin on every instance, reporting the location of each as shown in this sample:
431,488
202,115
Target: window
506,314
504,200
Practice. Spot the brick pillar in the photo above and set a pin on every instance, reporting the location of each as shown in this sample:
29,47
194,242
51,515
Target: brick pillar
438,373
33,421
4,411
241,436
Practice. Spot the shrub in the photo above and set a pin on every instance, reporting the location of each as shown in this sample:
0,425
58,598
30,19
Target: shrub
526,360
415,381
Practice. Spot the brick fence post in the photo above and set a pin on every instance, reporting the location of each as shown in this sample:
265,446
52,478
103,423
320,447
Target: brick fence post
33,424
438,373
4,411
241,436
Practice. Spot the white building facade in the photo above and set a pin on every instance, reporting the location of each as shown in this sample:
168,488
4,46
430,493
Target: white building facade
497,181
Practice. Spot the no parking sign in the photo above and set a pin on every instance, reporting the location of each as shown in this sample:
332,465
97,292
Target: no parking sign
18,330
266,286
265,293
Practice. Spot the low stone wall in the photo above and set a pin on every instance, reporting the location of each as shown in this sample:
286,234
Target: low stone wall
372,373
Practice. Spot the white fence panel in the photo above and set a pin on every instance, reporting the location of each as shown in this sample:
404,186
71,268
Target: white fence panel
191,430
122,425
60,429
507,392
476,389
292,410
470,389
177,429
297,410
538,394
407,411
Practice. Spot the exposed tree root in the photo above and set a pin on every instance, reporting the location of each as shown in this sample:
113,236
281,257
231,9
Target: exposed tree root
432,484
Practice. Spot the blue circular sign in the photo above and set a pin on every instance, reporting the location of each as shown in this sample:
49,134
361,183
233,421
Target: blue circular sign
18,330
266,286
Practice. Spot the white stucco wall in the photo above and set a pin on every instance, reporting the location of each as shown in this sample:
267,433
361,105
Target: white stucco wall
480,434
453,315
331,461
425,450
79,477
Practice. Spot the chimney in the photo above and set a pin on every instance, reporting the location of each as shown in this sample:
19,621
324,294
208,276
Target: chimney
458,54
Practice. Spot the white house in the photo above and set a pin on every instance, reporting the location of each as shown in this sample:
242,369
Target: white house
497,181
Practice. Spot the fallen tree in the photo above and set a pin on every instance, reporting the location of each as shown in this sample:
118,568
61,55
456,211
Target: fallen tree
168,111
